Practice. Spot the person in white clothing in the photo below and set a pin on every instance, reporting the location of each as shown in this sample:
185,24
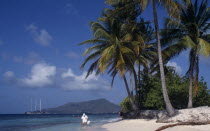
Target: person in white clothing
84,119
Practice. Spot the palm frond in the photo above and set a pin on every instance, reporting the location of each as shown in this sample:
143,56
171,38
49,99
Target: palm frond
96,25
168,4
94,48
175,49
91,57
101,34
92,67
94,41
204,47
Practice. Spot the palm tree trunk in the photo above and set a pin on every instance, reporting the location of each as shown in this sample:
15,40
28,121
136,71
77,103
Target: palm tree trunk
169,108
135,79
139,86
136,86
190,98
129,94
196,75
190,105
193,58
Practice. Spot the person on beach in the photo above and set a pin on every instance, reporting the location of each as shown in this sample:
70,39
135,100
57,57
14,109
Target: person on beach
84,119
120,114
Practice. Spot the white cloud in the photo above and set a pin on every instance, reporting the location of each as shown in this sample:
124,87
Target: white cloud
41,76
44,38
72,81
44,75
8,78
178,69
8,74
40,36
68,73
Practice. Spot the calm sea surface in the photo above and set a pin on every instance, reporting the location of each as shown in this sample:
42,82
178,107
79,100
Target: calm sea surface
53,122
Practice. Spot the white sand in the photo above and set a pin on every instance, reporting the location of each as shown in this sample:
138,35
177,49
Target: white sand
149,125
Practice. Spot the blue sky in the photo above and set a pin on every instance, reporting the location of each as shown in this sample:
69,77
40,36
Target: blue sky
40,58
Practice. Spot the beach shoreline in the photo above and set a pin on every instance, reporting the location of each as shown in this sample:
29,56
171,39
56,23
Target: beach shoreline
148,125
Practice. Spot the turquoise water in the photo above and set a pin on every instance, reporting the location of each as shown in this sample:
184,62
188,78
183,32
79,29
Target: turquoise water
53,122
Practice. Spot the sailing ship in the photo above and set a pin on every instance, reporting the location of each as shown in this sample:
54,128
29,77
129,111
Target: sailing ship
36,111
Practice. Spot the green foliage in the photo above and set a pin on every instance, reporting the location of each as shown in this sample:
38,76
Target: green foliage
177,90
122,41
154,100
202,97
126,105
191,32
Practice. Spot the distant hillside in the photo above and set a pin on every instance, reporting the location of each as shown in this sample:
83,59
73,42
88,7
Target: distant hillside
94,106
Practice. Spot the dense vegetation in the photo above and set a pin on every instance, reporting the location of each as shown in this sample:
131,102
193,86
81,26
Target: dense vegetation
127,45
177,89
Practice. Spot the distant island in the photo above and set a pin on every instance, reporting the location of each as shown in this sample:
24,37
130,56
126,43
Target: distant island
99,106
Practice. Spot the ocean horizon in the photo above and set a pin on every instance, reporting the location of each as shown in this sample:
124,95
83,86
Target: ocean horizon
53,122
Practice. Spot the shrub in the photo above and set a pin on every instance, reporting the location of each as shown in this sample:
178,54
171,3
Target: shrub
177,90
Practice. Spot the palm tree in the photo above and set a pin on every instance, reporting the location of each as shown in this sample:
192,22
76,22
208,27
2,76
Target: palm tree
144,52
120,43
171,7
191,31
110,52
139,36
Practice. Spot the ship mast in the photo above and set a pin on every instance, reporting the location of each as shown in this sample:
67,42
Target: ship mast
35,105
40,105
31,104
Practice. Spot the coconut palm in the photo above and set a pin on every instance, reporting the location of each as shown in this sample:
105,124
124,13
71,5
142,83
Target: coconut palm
191,31
109,52
171,7
144,52
118,45
139,36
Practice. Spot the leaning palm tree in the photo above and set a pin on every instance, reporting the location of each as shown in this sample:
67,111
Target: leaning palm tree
109,52
191,31
139,36
119,44
171,7
142,35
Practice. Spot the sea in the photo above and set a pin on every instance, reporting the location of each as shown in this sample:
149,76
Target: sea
46,122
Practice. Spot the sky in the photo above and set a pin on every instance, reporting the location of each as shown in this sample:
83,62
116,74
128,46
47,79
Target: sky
40,57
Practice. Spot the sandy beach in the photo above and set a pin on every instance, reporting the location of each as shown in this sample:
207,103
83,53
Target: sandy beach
148,125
